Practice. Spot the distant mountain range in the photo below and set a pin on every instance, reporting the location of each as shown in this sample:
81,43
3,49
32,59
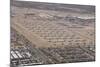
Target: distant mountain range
55,6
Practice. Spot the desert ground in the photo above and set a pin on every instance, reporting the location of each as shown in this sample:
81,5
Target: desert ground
51,33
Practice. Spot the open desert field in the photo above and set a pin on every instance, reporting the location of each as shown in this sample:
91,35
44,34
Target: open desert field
51,33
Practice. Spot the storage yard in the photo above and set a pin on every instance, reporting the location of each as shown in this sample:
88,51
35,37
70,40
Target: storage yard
49,33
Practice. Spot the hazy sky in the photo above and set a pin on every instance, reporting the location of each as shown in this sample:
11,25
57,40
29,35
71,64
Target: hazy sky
87,2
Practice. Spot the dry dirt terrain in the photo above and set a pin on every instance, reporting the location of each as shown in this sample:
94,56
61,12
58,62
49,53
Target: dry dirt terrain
51,33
